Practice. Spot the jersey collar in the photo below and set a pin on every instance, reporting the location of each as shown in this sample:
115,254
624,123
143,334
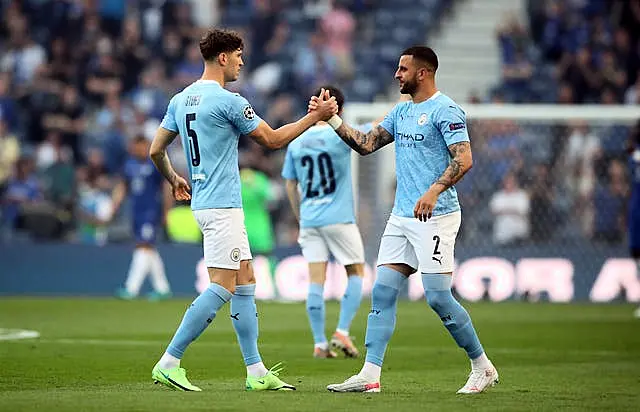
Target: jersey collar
202,81
435,95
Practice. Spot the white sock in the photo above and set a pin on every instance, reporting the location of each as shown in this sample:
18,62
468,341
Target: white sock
323,345
140,266
158,276
257,370
371,372
343,332
481,362
168,361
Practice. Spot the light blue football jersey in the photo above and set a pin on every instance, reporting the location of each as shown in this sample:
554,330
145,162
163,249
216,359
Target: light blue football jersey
422,134
321,163
210,120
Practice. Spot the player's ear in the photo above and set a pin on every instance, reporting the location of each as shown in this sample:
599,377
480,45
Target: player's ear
222,59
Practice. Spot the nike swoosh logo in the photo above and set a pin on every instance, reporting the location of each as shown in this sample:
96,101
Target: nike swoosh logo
174,382
261,382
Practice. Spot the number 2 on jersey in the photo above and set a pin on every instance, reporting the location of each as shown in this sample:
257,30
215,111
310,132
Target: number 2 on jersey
194,149
327,175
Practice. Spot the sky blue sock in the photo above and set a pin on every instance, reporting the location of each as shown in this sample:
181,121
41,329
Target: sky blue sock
350,302
382,318
244,317
197,317
315,310
437,288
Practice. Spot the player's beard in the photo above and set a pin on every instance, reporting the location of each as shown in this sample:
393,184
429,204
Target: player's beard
409,87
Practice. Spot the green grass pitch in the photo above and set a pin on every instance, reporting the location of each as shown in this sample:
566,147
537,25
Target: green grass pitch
97,354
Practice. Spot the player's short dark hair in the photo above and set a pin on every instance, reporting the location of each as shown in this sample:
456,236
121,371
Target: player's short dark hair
334,92
216,41
423,54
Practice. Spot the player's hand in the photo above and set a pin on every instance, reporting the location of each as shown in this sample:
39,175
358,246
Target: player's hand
314,101
425,205
324,105
181,189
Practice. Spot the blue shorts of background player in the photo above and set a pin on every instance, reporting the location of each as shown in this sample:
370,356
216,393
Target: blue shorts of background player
145,229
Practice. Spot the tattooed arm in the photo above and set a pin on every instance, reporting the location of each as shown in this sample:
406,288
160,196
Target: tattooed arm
364,143
460,163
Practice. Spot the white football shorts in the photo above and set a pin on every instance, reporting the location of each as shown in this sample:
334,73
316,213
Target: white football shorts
342,240
225,239
427,246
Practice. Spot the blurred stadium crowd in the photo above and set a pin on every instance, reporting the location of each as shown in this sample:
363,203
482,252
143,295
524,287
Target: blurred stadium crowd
572,51
80,78
552,178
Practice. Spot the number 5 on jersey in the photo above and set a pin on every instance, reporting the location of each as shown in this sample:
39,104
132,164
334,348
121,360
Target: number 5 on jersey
194,149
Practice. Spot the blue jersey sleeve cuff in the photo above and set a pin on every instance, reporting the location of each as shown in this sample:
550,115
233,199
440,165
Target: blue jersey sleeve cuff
251,128
458,139
169,128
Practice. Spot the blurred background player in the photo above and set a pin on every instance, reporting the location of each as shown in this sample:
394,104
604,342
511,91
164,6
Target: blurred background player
150,200
634,202
317,169
432,153
210,119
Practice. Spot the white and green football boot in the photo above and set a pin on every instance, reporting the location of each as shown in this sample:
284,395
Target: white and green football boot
269,382
174,378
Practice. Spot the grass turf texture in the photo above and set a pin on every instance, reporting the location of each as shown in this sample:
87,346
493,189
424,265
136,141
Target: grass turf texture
97,354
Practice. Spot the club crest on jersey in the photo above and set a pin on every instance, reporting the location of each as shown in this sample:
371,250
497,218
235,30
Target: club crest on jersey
422,119
235,255
248,112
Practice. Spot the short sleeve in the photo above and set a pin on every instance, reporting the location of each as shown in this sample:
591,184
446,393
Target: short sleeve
389,122
169,120
288,169
242,115
452,123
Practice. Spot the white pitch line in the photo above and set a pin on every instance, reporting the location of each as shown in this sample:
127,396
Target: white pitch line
17,334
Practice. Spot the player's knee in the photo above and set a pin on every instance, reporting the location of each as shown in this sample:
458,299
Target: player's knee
318,272
438,299
317,278
228,286
245,274
223,277
356,269
382,295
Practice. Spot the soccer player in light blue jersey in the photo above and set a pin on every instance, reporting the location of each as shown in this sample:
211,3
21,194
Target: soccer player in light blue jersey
210,120
432,154
317,169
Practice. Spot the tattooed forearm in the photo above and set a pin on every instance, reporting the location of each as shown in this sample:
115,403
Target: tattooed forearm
364,143
460,163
